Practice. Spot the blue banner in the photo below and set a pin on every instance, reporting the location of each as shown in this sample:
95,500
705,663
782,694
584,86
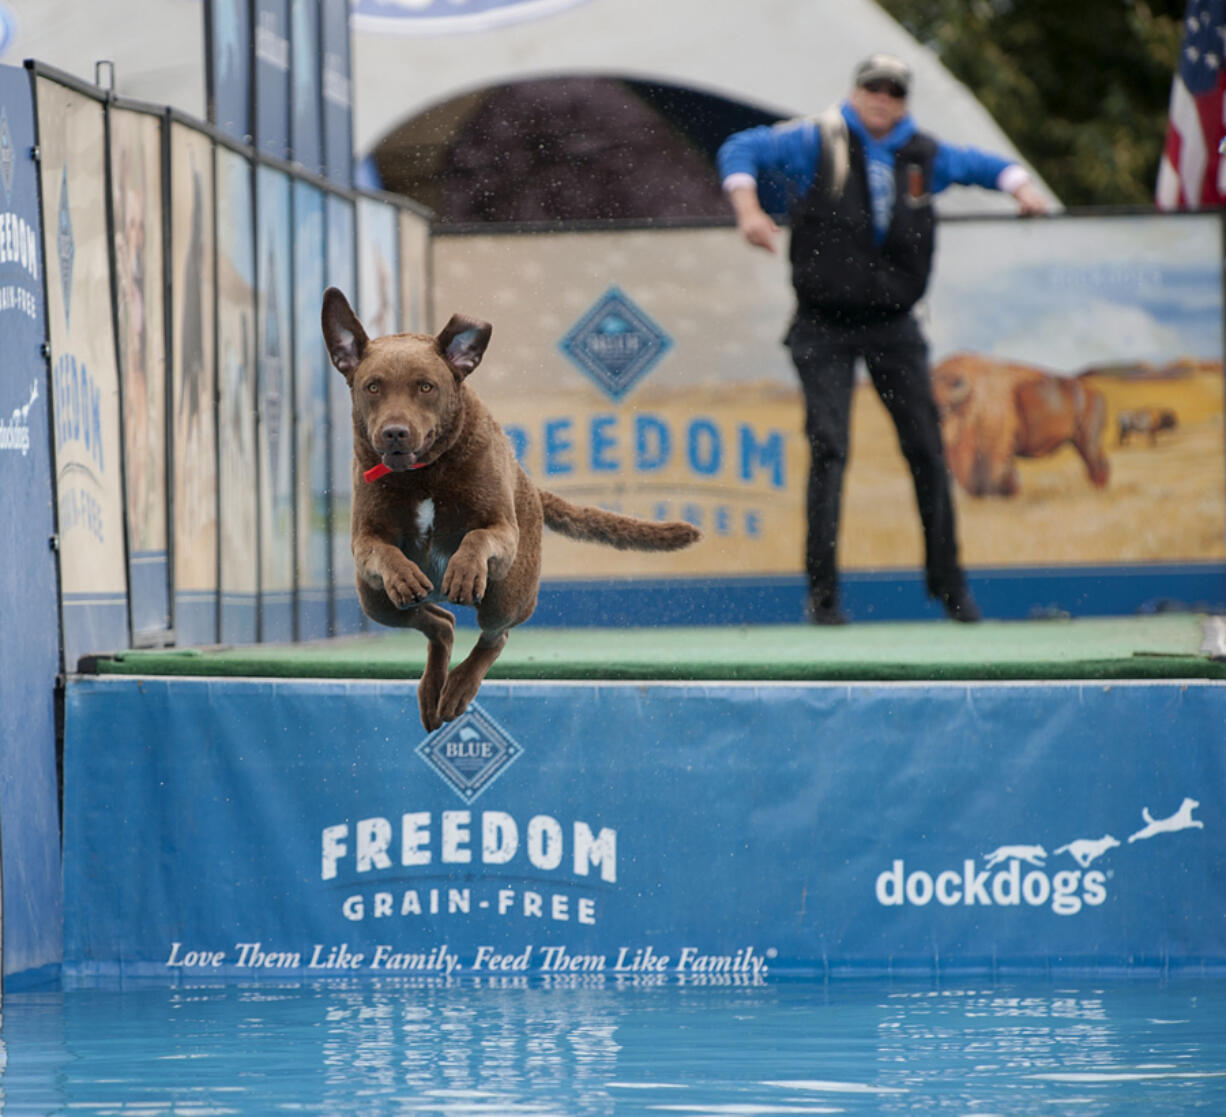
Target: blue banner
85,373
30,647
238,522
274,399
229,66
272,77
342,272
193,386
137,191
313,374
643,831
337,91
306,123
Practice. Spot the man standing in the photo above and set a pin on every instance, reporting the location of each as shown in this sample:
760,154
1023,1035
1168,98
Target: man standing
862,178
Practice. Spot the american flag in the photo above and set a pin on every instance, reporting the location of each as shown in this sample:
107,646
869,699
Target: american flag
1192,171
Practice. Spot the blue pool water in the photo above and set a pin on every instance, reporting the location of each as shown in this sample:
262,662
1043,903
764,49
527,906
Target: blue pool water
368,1047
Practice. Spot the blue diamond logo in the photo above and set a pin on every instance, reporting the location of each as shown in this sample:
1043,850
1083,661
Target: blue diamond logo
63,244
615,344
470,753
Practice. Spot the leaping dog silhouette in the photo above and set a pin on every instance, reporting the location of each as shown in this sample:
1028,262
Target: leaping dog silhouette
1085,850
1181,820
1034,855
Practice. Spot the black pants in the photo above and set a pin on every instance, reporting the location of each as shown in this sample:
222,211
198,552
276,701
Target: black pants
896,355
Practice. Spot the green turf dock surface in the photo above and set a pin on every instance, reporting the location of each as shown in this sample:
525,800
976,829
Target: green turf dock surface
1164,646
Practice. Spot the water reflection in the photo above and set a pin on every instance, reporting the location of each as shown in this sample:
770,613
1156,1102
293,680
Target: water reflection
588,1046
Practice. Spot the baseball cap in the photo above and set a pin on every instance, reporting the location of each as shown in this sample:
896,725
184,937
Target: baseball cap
884,67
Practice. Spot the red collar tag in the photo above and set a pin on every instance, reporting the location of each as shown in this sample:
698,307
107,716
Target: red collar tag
381,470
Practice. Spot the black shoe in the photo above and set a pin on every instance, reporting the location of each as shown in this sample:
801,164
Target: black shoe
824,614
960,605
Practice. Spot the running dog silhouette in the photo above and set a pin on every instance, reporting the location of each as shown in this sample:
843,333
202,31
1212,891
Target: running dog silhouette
442,511
23,413
1085,850
1033,855
1181,820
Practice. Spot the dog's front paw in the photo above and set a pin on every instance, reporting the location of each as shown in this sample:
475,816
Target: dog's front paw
464,581
407,585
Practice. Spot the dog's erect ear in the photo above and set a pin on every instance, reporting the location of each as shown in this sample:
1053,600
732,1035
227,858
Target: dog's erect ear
463,343
343,333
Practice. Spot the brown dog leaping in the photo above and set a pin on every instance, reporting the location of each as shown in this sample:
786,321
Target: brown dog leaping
441,508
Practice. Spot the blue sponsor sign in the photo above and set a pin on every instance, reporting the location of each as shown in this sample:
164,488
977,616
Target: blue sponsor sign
272,77
663,831
306,135
274,399
30,641
238,523
336,90
137,192
341,271
229,66
615,344
85,375
313,374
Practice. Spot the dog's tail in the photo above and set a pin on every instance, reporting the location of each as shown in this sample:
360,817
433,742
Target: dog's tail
594,525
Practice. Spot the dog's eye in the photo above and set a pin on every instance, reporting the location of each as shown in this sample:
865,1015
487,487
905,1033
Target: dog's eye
425,387
374,386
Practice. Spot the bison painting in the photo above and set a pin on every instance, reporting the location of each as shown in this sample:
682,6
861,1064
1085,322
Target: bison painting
994,412
1145,420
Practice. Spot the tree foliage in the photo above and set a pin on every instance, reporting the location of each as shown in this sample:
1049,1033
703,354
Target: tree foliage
1080,86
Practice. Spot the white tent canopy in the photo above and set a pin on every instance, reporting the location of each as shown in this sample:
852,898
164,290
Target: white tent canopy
793,57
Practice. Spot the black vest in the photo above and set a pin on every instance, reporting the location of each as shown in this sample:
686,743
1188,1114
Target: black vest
840,273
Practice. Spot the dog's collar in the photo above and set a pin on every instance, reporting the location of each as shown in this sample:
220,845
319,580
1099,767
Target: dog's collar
381,470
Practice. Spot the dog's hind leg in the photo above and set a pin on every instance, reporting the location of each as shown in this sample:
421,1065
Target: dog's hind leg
439,628
465,679
437,624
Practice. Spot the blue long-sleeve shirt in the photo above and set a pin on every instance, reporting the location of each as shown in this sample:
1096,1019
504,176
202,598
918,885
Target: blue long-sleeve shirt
792,150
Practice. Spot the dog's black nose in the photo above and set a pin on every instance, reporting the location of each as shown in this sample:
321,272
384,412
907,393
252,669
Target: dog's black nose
395,439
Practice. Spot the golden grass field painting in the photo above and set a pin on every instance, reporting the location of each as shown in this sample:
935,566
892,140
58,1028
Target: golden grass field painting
1165,500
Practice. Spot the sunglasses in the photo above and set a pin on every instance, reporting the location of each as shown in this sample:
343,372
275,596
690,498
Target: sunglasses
884,85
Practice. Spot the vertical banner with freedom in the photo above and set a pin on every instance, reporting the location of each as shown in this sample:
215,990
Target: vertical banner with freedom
136,208
274,391
85,377
30,649
312,371
341,270
237,517
193,386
